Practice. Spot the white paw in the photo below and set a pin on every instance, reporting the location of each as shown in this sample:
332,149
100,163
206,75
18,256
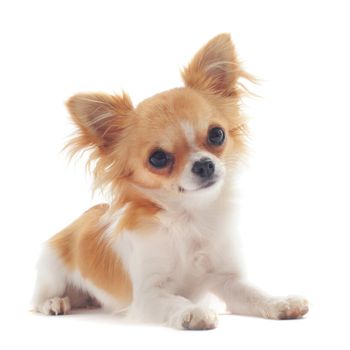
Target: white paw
195,318
56,306
287,308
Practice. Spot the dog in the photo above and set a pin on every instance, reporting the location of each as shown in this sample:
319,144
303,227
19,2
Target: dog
165,239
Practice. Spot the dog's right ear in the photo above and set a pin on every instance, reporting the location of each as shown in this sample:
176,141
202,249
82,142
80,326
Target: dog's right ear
100,118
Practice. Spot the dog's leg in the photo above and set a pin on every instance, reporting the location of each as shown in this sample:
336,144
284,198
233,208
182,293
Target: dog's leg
242,298
50,287
157,305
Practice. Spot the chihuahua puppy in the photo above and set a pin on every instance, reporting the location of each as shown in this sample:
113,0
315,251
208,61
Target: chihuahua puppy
164,240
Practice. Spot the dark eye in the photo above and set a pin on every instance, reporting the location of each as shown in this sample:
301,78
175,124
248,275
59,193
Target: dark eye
216,136
159,159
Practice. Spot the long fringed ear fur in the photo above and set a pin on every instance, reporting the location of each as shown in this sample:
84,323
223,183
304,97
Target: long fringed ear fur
102,122
215,68
100,119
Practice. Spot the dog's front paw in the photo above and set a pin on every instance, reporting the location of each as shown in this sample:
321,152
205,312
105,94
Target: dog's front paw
195,318
56,306
287,308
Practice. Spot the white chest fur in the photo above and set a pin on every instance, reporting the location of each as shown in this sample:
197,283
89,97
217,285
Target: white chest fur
179,256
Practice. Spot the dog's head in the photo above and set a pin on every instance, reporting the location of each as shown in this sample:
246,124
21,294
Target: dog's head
176,144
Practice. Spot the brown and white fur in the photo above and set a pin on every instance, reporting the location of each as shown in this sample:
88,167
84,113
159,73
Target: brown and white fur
165,239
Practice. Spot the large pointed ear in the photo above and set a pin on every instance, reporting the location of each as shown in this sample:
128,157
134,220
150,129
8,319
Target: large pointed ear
215,68
100,118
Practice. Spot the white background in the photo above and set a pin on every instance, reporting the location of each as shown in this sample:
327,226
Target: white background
294,188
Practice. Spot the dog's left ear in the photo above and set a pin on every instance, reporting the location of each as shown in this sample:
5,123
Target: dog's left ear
215,68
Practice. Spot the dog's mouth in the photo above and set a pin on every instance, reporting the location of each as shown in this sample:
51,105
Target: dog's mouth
205,185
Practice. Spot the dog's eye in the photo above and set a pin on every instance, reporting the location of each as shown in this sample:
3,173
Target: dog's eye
159,159
216,136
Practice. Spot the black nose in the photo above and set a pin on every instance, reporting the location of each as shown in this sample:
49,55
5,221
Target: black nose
204,168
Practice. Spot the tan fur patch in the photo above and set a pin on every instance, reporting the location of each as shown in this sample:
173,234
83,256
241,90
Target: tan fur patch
82,246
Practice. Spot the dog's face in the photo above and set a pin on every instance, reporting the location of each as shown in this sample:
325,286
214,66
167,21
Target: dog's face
180,142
